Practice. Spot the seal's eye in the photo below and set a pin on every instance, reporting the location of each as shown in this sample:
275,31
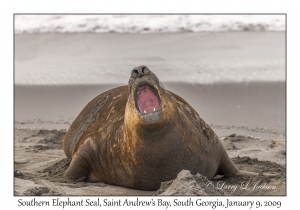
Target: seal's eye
134,73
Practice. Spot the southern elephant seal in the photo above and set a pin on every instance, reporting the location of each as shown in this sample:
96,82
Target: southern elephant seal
140,135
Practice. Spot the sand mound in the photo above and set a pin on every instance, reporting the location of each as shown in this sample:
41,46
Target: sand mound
188,184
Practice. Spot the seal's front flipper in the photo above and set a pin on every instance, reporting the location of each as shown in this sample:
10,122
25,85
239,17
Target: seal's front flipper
78,169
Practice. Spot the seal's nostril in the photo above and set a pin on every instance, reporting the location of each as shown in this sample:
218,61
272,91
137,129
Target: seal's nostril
139,71
145,70
134,73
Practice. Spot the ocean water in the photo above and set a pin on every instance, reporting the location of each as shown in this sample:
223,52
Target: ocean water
102,49
146,23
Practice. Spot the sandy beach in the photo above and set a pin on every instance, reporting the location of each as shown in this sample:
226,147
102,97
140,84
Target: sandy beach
248,114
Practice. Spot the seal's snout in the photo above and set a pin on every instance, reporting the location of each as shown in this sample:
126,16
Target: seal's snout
140,71
145,91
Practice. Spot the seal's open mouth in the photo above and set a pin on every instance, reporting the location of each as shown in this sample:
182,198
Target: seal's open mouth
147,99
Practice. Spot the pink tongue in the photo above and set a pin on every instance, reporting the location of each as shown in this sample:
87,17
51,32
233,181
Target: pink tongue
147,100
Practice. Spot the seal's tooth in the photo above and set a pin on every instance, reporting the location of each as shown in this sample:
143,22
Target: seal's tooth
154,109
145,111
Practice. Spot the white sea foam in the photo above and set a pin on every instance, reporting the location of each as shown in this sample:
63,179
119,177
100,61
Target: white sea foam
146,23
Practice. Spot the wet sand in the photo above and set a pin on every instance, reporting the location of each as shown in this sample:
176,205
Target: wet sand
256,107
180,57
248,117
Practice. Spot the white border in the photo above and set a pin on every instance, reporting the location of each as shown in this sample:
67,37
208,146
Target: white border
8,8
